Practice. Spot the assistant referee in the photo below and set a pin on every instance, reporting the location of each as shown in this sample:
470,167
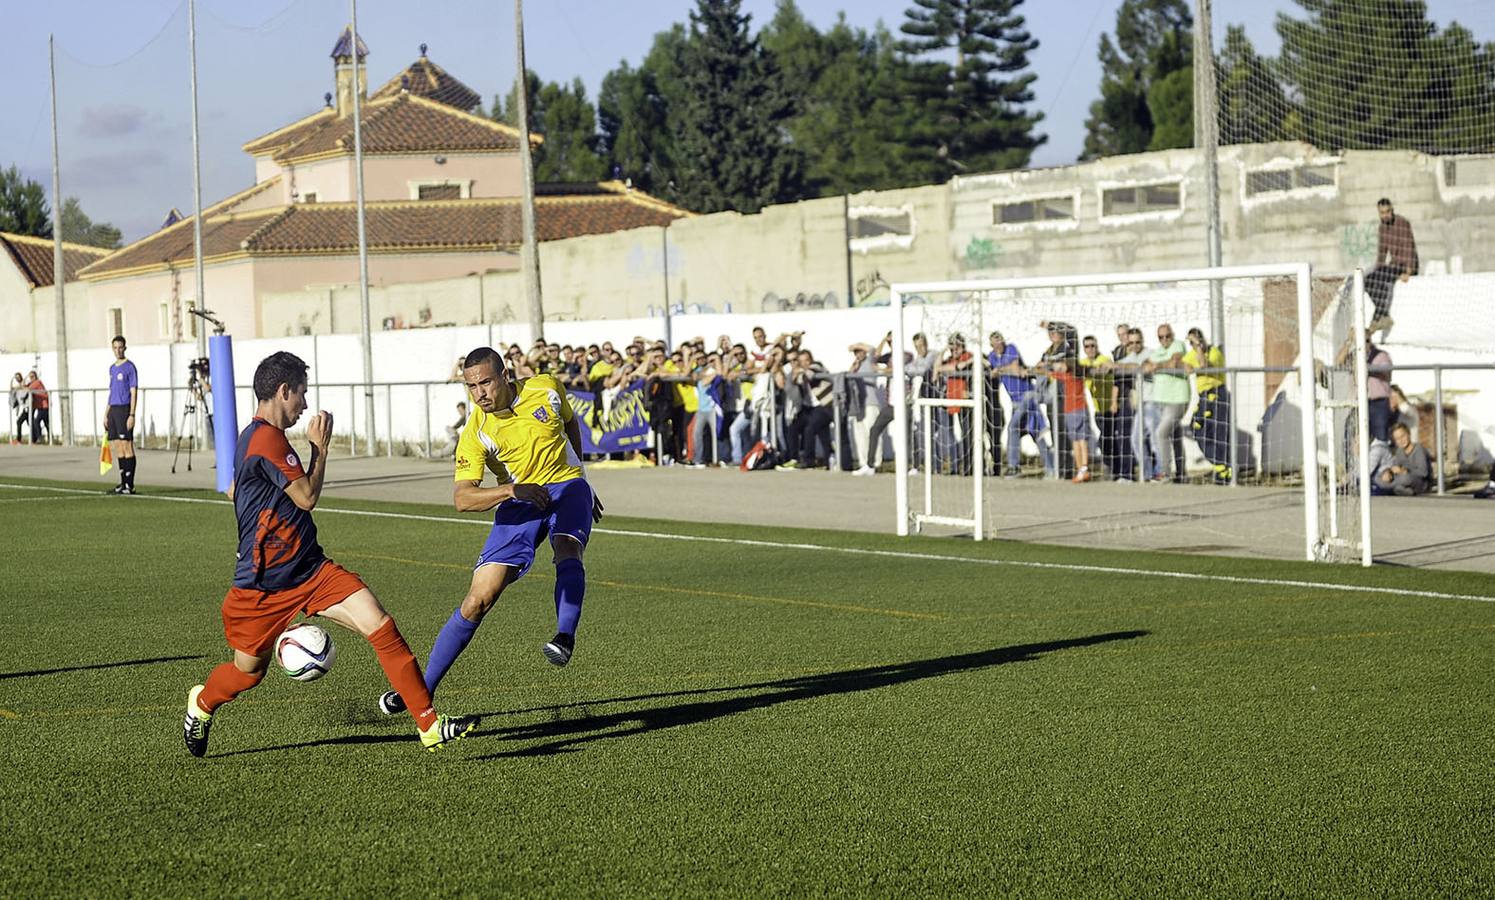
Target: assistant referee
119,420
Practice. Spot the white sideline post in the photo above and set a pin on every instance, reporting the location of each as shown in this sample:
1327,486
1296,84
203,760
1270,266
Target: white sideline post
978,423
1308,401
898,396
1362,416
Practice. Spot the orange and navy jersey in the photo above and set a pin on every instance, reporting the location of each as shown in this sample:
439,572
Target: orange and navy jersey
278,546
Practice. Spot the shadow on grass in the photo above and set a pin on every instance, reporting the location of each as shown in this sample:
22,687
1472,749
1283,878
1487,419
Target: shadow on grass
109,665
566,735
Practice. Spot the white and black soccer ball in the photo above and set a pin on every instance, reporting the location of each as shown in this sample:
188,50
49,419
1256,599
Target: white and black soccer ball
305,652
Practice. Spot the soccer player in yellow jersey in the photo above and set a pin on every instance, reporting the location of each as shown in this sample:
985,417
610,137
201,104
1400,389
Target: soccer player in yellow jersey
525,433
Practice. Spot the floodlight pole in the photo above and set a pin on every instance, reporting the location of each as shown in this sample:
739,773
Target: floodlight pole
59,267
363,241
202,302
1207,137
529,255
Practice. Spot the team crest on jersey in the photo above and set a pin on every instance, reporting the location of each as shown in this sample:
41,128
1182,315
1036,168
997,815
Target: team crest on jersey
292,460
541,414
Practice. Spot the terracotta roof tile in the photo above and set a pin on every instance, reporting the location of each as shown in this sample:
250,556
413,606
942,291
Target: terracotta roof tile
424,78
33,256
174,242
290,134
405,123
393,227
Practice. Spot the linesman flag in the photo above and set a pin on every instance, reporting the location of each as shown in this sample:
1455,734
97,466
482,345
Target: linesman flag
106,457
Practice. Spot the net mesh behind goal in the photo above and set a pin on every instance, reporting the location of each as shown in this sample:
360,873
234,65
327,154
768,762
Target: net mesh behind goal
1060,428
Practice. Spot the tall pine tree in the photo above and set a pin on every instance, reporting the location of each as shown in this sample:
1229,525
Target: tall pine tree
1253,107
1146,92
638,111
970,112
1368,74
732,151
848,105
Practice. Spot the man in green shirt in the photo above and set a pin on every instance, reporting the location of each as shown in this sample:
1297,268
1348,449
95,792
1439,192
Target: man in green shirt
1169,400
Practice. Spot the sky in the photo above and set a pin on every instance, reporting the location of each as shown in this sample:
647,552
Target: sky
123,73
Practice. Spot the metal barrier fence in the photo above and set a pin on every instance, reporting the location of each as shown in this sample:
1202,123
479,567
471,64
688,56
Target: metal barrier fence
407,419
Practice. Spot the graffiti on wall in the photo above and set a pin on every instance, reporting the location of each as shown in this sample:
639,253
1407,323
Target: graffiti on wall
868,285
1358,242
982,253
647,260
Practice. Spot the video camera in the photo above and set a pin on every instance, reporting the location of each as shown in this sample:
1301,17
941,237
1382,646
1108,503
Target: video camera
197,372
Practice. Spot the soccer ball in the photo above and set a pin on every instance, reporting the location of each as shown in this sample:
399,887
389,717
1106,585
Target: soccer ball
305,652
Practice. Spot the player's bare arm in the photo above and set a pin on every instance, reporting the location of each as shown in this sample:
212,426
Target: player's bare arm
305,492
471,496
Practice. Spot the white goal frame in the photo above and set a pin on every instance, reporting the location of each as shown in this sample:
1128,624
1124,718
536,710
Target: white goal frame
1309,401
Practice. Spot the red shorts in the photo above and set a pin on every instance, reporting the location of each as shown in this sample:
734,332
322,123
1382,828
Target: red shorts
252,620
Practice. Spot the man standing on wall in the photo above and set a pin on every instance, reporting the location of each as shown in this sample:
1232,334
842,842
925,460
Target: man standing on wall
119,420
1396,260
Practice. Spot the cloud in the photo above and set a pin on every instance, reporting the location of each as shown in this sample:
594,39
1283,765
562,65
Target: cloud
120,168
115,121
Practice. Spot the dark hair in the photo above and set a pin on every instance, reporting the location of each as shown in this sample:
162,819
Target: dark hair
275,370
1402,426
483,355
1383,202
121,339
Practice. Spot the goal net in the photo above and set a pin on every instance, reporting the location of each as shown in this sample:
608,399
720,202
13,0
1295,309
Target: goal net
1103,410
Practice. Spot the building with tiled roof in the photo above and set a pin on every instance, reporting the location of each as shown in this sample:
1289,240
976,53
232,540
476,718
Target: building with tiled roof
26,284
441,187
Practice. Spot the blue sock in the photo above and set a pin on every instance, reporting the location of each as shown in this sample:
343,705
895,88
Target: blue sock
450,643
570,587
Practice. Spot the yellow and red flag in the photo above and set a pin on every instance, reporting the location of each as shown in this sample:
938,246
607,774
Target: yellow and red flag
106,458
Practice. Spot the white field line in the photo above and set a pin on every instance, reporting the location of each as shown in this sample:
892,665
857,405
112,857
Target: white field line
861,551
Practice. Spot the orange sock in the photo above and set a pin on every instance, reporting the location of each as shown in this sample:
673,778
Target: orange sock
226,683
403,672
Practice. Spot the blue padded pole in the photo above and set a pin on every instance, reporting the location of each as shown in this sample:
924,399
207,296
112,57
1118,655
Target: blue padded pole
225,416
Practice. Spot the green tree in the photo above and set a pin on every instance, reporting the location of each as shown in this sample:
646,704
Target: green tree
639,115
1369,74
848,107
1253,107
970,112
1146,79
23,205
731,141
78,228
567,121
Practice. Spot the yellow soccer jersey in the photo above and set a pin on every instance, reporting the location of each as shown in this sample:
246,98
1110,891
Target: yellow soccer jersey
527,443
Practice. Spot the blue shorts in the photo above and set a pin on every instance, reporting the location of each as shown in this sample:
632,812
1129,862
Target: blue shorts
519,527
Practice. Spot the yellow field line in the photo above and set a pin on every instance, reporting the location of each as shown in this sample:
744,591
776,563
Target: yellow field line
663,589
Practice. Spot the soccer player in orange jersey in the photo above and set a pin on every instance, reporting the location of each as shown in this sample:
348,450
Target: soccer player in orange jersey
282,571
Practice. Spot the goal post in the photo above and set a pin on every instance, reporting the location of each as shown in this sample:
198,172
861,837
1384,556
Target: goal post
962,493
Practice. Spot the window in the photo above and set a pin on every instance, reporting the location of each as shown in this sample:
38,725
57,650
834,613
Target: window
309,197
880,227
439,192
897,223
1146,198
1271,181
116,322
1041,209
1469,171
163,320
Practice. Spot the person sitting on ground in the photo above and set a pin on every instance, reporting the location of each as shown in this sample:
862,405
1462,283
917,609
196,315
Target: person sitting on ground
1410,468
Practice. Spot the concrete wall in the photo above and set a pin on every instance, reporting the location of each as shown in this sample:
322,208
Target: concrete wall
16,321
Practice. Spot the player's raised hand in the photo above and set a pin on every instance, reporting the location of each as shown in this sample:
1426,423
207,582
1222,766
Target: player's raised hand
532,493
596,507
319,429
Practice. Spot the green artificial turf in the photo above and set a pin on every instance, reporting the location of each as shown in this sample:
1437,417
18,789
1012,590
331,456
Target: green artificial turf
746,720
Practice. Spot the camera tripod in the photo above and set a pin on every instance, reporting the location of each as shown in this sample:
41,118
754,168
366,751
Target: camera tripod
191,424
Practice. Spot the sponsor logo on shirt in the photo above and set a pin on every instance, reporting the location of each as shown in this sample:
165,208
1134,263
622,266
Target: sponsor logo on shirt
461,462
541,414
